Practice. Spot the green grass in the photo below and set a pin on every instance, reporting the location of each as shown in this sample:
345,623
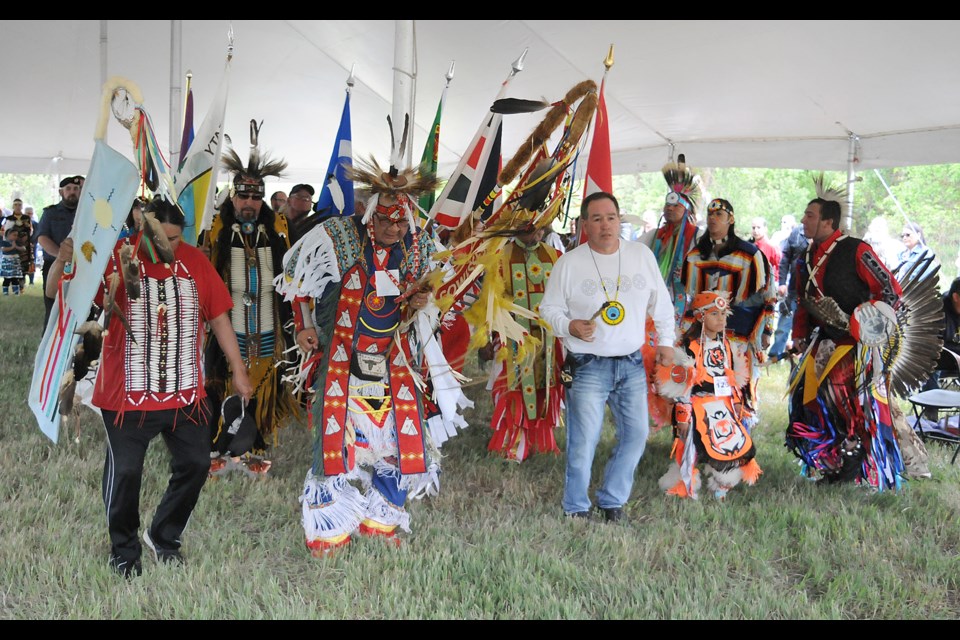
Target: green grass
492,545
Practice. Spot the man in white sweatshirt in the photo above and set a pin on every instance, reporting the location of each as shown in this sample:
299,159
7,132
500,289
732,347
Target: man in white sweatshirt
597,300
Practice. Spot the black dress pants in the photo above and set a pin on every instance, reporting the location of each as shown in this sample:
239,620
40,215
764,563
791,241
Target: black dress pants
47,302
187,436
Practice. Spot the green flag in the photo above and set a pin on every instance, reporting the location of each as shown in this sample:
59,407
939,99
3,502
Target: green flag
429,160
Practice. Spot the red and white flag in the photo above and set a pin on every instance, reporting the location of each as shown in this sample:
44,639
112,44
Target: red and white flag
475,175
599,175
463,189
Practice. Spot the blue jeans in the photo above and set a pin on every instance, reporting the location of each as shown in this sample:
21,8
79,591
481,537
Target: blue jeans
784,327
621,383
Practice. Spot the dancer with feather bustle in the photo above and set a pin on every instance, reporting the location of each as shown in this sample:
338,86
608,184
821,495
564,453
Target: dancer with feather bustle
861,335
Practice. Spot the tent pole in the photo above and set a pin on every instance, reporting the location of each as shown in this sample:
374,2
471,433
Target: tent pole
176,94
852,160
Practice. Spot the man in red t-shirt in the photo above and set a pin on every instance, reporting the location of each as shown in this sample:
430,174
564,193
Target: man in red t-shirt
151,383
768,249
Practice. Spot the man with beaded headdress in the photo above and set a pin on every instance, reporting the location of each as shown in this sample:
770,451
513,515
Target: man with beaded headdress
862,334
247,241
723,261
385,398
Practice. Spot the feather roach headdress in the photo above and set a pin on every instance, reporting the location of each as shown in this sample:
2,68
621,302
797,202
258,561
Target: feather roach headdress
402,187
248,179
684,185
836,194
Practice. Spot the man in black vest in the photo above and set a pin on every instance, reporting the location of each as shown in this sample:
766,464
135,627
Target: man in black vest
842,429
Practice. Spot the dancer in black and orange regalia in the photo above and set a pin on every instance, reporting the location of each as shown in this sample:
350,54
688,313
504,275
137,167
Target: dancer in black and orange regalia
723,261
705,382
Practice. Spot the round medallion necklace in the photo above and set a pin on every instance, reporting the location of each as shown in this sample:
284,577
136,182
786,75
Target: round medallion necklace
611,311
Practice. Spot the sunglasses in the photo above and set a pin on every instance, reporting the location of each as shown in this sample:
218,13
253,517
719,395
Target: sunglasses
402,224
245,196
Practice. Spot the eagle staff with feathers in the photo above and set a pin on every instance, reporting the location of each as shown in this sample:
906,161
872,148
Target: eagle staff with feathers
863,336
516,266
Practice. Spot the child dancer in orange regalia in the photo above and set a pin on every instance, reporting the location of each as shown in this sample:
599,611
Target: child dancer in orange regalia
705,383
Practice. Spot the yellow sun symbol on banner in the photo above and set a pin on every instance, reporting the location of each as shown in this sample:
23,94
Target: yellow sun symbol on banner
103,212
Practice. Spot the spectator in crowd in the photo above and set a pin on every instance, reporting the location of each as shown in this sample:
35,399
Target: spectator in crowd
878,237
55,225
22,223
792,250
950,354
278,201
770,250
299,211
915,249
787,224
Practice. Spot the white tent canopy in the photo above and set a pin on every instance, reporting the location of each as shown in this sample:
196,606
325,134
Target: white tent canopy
727,94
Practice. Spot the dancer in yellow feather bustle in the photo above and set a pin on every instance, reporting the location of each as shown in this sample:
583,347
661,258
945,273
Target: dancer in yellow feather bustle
527,393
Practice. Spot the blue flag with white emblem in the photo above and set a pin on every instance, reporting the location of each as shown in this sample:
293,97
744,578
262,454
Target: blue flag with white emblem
337,193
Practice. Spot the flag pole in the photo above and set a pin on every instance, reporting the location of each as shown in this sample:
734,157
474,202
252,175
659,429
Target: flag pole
336,192
515,68
448,77
448,210
212,198
601,113
431,151
183,120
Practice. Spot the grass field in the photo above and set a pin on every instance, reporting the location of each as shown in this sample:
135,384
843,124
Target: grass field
492,545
